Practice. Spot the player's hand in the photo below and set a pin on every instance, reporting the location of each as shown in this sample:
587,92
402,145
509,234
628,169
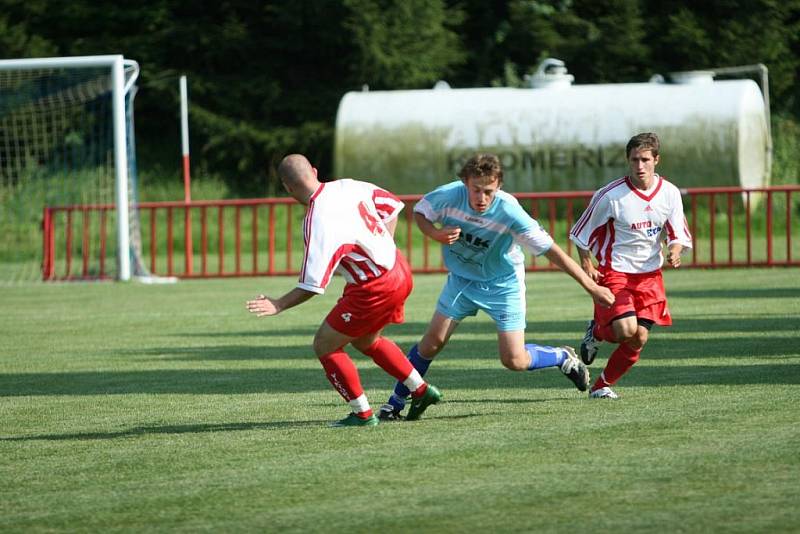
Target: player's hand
673,259
263,306
447,235
591,272
603,296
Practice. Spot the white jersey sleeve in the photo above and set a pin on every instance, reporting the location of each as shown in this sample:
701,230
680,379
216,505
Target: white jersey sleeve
594,219
676,228
526,231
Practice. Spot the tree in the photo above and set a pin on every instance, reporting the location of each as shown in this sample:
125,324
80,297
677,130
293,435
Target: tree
401,44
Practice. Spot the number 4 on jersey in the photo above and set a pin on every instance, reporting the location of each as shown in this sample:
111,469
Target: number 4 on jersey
369,219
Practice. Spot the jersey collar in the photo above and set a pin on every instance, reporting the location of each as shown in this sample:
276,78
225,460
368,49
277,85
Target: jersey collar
316,193
639,192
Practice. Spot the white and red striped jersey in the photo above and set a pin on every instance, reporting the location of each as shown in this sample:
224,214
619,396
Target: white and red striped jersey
345,232
623,226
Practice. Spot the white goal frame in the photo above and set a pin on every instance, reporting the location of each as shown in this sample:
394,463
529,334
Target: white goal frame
117,65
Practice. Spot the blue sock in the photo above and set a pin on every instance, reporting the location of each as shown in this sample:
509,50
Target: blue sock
398,398
543,356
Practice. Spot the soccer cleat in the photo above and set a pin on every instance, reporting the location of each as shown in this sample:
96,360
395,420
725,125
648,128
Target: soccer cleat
603,393
589,345
389,413
420,404
354,420
575,370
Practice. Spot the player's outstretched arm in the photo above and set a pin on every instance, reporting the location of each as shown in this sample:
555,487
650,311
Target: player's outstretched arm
263,306
447,235
601,295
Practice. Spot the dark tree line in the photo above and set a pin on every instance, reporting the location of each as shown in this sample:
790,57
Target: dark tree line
266,77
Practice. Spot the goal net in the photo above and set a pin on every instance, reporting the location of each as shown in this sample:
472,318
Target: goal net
67,140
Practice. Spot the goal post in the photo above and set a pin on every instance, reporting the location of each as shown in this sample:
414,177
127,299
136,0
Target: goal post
28,136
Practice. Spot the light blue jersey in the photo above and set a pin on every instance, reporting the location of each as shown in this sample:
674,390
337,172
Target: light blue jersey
487,273
489,244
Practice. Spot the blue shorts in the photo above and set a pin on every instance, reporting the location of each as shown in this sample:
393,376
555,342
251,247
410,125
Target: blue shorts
503,299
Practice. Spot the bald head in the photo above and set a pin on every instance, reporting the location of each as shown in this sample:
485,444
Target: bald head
298,177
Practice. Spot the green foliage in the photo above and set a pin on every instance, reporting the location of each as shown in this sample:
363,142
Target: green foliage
402,45
719,34
786,148
266,78
250,154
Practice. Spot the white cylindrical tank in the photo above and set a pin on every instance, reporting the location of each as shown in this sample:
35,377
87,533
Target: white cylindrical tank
555,137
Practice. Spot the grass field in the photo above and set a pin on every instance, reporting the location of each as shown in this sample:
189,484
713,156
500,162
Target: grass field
139,408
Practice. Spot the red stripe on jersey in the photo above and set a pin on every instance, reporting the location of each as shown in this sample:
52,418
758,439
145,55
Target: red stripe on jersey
342,257
358,268
386,203
587,215
347,266
609,244
307,227
597,238
598,242
316,193
335,259
670,231
639,193
307,236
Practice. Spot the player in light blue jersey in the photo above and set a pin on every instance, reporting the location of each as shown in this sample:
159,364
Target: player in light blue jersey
482,231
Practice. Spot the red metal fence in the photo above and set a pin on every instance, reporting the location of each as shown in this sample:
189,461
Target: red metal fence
733,227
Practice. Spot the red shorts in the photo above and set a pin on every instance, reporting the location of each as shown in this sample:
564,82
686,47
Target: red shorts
642,294
364,309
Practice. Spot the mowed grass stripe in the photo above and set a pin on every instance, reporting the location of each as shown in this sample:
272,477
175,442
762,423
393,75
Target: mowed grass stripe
131,408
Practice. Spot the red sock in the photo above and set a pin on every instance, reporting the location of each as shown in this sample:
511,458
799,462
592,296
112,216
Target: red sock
604,333
390,358
342,373
618,364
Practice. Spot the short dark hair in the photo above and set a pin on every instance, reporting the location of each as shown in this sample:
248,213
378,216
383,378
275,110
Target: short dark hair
482,166
643,141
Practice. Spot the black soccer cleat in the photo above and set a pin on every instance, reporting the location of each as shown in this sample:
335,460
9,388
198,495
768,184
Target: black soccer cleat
575,370
389,413
589,345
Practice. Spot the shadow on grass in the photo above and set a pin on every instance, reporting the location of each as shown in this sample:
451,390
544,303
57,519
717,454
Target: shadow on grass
537,332
699,338
168,429
211,427
743,293
463,349
274,329
271,381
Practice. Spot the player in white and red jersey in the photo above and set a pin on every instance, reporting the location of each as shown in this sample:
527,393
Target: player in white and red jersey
349,229
624,227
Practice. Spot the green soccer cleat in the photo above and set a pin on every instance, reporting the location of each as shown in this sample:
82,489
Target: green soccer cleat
354,420
418,405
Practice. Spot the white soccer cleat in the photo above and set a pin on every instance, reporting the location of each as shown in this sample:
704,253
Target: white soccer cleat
603,393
